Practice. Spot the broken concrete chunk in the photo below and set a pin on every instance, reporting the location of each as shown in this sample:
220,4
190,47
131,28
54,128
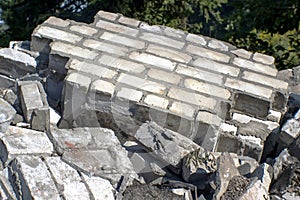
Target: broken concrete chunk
6,189
31,179
19,141
165,144
6,82
290,130
264,173
246,165
16,64
7,114
34,105
255,190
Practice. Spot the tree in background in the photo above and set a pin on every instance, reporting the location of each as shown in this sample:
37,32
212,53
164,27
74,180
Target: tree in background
268,26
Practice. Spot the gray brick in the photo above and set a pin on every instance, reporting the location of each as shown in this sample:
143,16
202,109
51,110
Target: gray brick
141,84
164,76
206,88
85,30
196,38
206,53
107,15
217,44
103,90
153,60
130,94
156,101
265,59
272,82
56,34
242,53
105,47
92,69
246,64
57,22
162,40
67,50
199,74
168,53
115,38
67,178
119,63
183,109
116,28
174,32
189,97
248,87
217,67
129,21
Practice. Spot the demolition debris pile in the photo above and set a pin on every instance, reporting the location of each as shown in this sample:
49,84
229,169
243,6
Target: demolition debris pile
119,109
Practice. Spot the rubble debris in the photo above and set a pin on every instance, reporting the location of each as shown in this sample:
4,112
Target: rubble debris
7,114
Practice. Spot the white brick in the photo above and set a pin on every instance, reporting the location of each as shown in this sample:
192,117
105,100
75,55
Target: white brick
242,53
79,79
168,53
116,28
206,88
228,128
156,101
85,30
107,15
274,116
189,97
129,21
208,118
92,69
56,34
206,53
153,28
249,88
255,66
105,47
130,94
103,86
217,67
162,40
174,32
199,74
142,84
153,60
272,82
121,64
265,59
57,22
196,38
72,50
67,178
182,109
100,188
123,40
216,44
164,76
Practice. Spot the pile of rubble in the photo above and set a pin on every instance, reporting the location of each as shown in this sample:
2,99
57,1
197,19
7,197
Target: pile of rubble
119,109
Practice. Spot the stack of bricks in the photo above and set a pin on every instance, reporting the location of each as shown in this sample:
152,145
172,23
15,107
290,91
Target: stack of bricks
121,72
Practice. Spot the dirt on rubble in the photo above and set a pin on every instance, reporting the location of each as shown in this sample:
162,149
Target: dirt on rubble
236,187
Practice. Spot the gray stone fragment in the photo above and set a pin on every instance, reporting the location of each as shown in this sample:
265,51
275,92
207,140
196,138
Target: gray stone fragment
290,130
264,173
247,165
7,114
31,179
34,105
6,82
165,145
16,64
6,189
255,190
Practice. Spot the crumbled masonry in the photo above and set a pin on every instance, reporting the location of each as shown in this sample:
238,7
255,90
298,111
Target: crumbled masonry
119,109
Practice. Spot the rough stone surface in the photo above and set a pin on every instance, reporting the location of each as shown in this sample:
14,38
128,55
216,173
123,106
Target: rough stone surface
7,113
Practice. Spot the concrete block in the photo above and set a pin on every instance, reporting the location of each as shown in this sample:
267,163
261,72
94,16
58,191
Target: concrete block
16,64
217,44
164,76
290,131
242,53
255,190
100,188
257,67
159,62
153,28
130,94
115,38
107,15
102,90
19,141
183,109
264,173
253,146
274,116
192,98
206,88
165,145
116,28
83,29
162,40
205,63
156,101
142,84
169,53
7,114
70,183
265,59
105,47
248,88
174,32
31,179
34,105
6,82
129,21
57,22
229,143
207,53
6,189
196,39
121,64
